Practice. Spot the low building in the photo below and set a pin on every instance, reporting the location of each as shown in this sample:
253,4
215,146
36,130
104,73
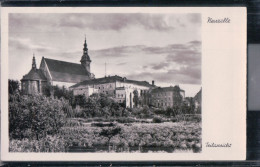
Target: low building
121,89
163,97
35,81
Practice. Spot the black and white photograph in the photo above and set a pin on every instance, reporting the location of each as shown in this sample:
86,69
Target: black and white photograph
123,84
102,82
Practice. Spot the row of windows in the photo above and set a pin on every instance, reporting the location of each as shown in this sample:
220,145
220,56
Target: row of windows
163,100
162,94
120,95
106,86
163,104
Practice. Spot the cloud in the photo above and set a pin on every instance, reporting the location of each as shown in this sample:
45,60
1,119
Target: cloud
194,18
175,51
121,64
188,75
120,51
116,21
102,21
181,65
97,21
27,44
160,65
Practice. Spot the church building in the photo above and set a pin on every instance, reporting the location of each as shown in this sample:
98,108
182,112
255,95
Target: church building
79,79
56,72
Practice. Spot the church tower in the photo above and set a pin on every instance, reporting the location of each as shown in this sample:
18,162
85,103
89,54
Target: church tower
33,63
85,59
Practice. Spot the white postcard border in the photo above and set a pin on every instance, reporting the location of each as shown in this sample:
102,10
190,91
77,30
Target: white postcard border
223,84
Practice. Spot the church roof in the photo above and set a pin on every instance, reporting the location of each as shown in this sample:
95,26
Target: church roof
34,74
65,67
110,79
66,72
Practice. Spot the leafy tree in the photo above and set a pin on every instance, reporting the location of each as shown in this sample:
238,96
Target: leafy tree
35,116
136,98
13,86
109,133
79,100
169,111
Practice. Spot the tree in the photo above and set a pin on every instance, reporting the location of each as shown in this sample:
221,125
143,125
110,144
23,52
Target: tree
35,116
136,98
79,100
13,86
109,133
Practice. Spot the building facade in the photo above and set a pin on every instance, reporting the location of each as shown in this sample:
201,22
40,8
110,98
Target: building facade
121,89
56,72
166,96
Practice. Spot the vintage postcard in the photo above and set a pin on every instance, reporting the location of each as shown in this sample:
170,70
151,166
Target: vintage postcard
123,84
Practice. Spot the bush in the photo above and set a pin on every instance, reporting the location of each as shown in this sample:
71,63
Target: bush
13,86
100,124
35,116
157,120
48,144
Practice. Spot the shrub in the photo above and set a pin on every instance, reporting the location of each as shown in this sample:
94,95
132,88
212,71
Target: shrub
157,120
13,86
125,120
37,115
100,124
48,144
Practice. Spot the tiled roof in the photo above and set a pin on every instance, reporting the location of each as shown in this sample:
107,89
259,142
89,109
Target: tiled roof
65,67
66,77
66,72
35,74
111,79
166,89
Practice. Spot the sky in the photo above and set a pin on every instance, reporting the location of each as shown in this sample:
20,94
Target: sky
165,48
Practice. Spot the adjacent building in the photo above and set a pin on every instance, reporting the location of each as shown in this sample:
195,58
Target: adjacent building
120,88
167,96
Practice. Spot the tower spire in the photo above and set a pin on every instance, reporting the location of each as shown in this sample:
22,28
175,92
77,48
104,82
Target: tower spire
85,59
85,49
33,63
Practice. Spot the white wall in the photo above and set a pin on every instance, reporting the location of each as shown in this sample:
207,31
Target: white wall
61,84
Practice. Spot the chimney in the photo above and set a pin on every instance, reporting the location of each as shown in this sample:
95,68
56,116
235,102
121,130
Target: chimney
153,82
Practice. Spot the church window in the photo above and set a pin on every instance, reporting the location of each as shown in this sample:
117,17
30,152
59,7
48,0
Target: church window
38,86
